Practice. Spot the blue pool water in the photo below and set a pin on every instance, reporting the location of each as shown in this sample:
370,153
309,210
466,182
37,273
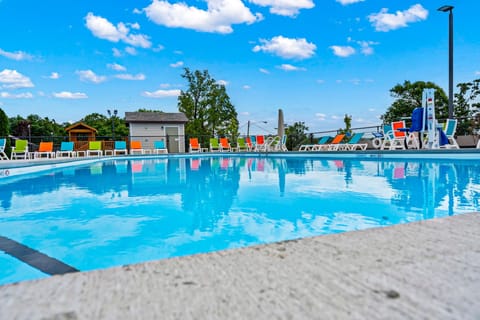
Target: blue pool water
117,212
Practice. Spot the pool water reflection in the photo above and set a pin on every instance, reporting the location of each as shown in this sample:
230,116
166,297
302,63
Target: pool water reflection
126,211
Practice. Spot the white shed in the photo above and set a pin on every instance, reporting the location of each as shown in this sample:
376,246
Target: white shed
148,127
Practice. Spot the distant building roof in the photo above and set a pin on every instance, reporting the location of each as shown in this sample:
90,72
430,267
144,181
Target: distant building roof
80,127
163,117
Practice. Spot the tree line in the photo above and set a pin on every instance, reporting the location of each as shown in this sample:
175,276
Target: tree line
210,112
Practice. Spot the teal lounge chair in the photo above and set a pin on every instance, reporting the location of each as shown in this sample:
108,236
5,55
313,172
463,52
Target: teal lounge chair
310,147
450,128
3,144
354,143
66,150
120,147
159,147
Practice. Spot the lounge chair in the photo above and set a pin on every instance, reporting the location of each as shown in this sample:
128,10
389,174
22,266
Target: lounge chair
320,145
214,146
387,136
253,141
66,150
194,146
3,144
225,145
335,143
354,143
20,151
414,135
44,149
260,143
399,135
248,141
94,148
242,145
271,144
449,129
280,144
120,147
159,147
136,147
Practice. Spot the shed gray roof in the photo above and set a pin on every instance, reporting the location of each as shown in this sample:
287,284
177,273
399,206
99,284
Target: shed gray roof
163,117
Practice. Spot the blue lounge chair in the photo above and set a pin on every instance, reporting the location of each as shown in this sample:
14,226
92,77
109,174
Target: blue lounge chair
354,143
159,147
3,144
120,147
66,150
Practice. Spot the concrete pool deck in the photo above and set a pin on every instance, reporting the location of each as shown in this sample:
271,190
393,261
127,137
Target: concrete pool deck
422,270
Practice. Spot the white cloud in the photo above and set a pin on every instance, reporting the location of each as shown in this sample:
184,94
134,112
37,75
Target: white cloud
104,29
12,79
366,47
246,87
219,16
90,76
127,76
116,67
384,21
158,48
116,52
222,82
176,64
342,51
347,2
70,95
320,116
54,75
18,55
288,8
7,95
287,47
321,81
289,67
131,51
161,93
477,73
264,71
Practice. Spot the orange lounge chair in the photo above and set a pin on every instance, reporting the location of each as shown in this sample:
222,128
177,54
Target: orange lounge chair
225,145
194,145
399,135
334,145
44,149
136,147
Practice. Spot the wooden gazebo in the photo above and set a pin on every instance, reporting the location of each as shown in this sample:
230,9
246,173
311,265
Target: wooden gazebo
81,132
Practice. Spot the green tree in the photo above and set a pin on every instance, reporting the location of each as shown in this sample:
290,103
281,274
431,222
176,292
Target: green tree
104,127
467,107
4,128
207,106
296,135
4,124
348,125
408,96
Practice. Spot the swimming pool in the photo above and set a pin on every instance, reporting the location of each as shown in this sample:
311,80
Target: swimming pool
120,211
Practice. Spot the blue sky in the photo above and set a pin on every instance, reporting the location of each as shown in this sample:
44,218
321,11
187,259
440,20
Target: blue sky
316,59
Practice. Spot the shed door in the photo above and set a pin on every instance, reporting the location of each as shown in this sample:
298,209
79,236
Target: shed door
173,139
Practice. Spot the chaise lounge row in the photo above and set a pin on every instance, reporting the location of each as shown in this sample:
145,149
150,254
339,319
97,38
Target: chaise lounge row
251,143
67,149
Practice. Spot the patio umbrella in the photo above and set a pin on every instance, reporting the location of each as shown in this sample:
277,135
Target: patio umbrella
281,124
